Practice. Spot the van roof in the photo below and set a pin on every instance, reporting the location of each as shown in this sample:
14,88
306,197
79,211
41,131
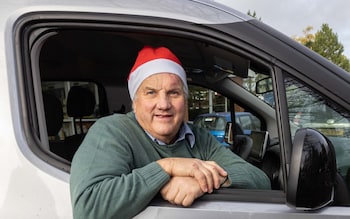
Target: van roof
199,11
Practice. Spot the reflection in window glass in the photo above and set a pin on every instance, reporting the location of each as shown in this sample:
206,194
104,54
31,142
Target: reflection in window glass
71,123
202,100
212,122
245,122
307,108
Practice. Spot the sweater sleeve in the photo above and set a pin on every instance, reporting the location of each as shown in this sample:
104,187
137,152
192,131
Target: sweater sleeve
104,181
241,173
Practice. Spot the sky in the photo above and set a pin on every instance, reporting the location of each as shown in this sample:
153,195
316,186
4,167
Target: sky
291,17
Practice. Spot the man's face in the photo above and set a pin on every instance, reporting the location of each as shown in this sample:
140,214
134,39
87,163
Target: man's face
159,106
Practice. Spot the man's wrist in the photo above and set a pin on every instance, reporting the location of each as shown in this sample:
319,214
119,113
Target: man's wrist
166,164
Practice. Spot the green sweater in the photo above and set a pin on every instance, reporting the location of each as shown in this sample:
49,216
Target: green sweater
114,173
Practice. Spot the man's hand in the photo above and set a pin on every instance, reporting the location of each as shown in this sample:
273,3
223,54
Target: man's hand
181,191
208,174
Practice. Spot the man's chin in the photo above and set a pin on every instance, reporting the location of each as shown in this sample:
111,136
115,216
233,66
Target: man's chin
165,132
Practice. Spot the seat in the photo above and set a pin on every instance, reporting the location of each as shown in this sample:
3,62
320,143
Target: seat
53,114
242,144
54,120
80,103
271,165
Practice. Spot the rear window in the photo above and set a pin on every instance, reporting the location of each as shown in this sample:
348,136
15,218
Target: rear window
211,122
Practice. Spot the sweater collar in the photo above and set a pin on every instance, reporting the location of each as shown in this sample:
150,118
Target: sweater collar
185,133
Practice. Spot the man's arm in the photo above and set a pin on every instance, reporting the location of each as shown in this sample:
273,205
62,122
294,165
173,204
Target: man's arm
208,174
104,181
184,190
181,191
241,174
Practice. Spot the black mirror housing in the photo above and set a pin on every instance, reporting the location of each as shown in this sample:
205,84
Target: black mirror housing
264,86
311,181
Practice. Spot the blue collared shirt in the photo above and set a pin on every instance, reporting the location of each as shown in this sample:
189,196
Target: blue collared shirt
184,133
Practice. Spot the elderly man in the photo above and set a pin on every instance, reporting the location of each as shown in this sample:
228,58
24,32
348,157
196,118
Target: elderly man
126,160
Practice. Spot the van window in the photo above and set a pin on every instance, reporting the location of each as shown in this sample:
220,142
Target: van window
71,107
61,90
249,122
203,100
80,75
308,108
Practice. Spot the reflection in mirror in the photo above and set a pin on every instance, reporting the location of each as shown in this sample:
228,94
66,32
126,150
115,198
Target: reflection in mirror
264,85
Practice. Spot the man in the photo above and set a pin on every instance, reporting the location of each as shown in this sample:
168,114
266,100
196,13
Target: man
126,160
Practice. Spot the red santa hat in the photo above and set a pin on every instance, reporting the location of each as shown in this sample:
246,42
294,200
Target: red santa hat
152,61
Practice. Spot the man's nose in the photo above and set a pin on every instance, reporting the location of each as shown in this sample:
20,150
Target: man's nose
164,102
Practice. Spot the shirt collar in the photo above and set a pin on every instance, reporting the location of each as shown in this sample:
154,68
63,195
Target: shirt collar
185,133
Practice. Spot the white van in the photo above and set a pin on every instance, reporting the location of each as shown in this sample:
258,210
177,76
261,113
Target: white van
64,64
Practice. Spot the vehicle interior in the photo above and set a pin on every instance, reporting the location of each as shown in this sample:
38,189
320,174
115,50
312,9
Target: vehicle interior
84,77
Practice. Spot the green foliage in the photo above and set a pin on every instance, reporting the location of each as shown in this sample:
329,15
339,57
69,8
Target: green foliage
344,62
253,15
308,37
326,43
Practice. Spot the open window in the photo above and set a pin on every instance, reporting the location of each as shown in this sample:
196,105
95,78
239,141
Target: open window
71,107
69,65
90,63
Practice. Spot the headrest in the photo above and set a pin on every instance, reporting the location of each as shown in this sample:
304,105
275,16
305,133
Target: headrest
80,102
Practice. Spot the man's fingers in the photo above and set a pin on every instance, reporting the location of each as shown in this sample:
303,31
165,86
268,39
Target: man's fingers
197,173
207,173
202,179
179,198
218,168
217,173
169,195
208,176
181,191
187,201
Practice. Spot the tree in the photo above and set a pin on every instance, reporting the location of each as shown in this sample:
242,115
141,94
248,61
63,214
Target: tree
308,37
326,43
253,15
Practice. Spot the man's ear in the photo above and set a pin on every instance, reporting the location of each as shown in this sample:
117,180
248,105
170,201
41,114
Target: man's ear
133,108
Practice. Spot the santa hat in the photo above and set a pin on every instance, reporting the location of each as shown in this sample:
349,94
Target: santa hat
151,61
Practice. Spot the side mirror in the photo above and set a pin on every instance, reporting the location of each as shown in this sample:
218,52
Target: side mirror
264,86
312,174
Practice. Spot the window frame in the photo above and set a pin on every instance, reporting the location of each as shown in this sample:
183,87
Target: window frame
30,93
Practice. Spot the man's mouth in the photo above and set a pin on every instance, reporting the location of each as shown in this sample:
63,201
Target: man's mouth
163,116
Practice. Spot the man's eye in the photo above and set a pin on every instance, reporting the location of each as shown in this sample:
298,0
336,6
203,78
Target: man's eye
150,92
174,93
